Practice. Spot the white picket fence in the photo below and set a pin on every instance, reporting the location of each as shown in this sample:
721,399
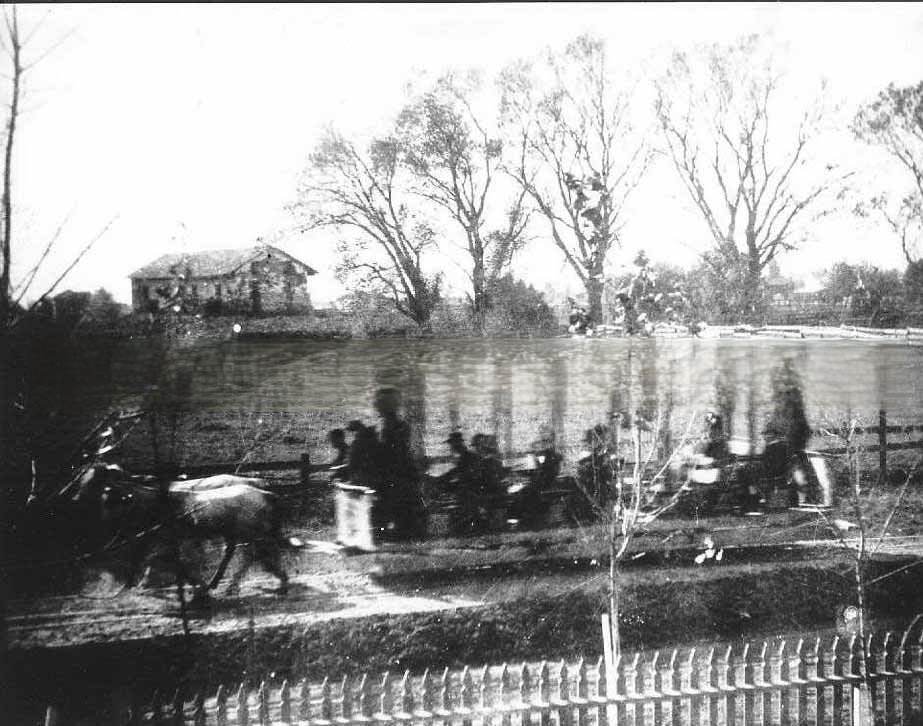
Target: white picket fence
772,682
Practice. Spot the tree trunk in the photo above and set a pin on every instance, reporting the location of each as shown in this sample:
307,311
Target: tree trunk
479,296
614,593
594,293
753,296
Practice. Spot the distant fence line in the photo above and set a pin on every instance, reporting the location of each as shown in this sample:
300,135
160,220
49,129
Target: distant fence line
769,682
306,468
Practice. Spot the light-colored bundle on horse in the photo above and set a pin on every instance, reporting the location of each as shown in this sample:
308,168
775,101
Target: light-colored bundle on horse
237,509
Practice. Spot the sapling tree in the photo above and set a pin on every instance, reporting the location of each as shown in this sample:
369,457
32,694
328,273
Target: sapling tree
873,513
622,483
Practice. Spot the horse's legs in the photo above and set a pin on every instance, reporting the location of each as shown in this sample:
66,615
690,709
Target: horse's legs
229,546
269,555
246,560
137,573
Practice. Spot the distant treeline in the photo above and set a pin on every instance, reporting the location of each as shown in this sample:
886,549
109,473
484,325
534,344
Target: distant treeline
648,294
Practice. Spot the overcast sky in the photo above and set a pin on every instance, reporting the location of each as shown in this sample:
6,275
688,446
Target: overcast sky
189,125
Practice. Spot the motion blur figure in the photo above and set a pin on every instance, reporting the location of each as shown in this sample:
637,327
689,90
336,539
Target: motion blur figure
490,464
527,504
596,469
400,500
461,481
362,459
339,466
716,443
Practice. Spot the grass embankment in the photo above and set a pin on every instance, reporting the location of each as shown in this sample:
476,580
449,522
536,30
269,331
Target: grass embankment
555,619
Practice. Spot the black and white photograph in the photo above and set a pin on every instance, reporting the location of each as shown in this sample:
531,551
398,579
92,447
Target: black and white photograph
461,364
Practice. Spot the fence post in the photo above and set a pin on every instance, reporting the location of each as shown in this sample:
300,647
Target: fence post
176,706
814,673
582,694
407,705
221,706
466,696
305,469
243,707
365,703
884,665
326,707
544,693
605,714
565,708
304,700
262,700
506,695
285,702
882,446
346,699
426,693
860,701
200,718
52,716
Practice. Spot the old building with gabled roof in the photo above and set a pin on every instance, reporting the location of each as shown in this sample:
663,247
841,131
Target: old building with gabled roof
258,279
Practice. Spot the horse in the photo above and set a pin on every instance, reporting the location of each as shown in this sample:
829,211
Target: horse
233,508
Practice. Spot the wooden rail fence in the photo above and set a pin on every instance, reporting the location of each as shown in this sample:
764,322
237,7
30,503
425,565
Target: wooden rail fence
307,469
770,682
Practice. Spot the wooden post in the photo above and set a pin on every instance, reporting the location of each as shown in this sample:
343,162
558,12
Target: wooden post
305,469
52,716
882,446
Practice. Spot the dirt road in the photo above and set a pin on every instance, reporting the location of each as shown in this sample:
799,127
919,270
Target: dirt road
327,584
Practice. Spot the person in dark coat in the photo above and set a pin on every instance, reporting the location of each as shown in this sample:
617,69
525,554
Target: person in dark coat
340,464
527,504
547,460
463,472
362,459
490,465
400,491
716,444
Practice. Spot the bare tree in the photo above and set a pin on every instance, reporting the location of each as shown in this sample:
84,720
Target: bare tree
620,482
894,122
363,196
874,517
16,452
454,155
12,42
744,163
576,152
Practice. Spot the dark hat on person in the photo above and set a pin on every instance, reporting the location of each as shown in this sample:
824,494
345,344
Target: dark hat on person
455,438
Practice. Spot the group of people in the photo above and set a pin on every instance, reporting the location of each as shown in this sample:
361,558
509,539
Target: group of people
477,482
383,461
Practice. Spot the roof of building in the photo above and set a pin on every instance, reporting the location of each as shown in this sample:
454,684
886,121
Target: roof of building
210,263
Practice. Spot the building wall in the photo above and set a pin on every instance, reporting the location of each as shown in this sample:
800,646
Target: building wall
272,284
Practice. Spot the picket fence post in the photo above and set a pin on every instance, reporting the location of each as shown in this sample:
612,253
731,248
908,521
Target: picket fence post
765,682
